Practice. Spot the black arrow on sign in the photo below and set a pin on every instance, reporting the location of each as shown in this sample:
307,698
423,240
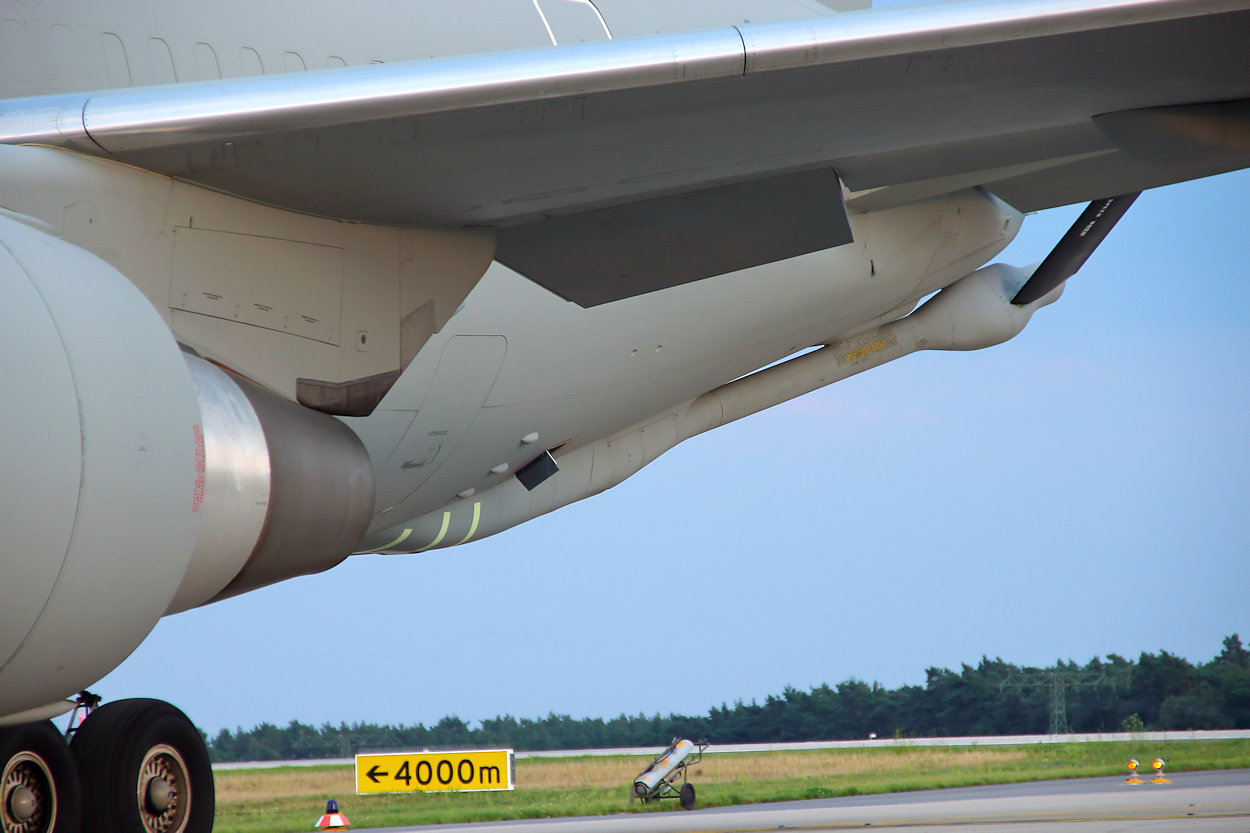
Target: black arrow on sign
373,774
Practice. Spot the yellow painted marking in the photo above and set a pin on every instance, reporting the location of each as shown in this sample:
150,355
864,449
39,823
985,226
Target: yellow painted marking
442,532
469,771
477,516
867,350
403,536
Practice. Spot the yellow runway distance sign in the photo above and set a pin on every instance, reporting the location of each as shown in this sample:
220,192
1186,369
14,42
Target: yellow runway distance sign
403,772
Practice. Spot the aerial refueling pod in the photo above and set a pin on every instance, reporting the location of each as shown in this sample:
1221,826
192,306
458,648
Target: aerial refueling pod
659,779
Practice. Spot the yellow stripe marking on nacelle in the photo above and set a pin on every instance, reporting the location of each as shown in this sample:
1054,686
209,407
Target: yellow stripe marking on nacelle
403,536
477,516
442,533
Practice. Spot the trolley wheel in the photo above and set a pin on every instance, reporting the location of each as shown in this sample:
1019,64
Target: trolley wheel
687,796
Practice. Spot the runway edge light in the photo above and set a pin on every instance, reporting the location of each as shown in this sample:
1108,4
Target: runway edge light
1157,763
1132,773
333,819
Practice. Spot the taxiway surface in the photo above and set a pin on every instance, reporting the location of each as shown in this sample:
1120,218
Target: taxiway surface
1195,802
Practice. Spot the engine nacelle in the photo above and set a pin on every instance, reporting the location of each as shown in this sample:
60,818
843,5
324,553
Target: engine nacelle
136,480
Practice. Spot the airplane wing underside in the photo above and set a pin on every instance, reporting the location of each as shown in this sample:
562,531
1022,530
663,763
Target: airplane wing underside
649,148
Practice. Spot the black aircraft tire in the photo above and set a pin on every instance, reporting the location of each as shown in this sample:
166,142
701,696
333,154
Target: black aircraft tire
144,769
687,796
39,790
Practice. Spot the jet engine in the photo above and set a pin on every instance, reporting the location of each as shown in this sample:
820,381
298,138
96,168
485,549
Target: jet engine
137,479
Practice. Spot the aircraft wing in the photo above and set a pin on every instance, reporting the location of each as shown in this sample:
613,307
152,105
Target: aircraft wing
620,167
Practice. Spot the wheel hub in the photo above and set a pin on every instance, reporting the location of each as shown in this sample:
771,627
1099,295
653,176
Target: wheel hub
23,803
160,795
164,791
29,803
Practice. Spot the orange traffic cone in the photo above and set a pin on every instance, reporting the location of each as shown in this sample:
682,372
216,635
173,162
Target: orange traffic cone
333,819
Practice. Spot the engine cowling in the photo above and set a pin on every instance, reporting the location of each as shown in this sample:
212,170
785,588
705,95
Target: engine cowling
137,480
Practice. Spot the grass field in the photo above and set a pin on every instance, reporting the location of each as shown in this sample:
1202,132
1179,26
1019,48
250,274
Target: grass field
291,799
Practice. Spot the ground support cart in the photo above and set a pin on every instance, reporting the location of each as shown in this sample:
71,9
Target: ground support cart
660,778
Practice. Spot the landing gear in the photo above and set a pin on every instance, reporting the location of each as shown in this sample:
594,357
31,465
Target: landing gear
144,769
39,790
133,766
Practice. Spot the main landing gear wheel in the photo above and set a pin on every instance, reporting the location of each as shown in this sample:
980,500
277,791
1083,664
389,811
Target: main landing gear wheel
38,784
144,769
687,796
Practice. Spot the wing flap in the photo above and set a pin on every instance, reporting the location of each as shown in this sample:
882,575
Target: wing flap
595,257
998,94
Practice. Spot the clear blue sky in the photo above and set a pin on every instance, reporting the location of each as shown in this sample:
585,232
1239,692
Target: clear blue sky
1083,489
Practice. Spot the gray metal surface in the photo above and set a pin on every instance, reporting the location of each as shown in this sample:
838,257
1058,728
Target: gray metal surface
321,493
616,377
596,257
600,160
98,468
233,496
887,97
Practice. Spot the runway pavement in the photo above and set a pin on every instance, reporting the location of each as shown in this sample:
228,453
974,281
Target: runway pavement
1206,802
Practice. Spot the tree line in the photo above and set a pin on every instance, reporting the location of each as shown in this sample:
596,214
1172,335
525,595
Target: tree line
1155,691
